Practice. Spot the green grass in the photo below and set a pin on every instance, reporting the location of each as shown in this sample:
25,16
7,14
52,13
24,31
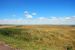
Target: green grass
23,45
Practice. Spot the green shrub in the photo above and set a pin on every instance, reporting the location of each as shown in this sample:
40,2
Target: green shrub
21,34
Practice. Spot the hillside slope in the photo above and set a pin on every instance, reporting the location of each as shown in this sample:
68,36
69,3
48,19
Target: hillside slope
39,37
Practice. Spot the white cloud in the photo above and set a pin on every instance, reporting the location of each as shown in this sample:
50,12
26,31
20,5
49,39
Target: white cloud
29,15
40,20
34,14
67,18
26,12
53,17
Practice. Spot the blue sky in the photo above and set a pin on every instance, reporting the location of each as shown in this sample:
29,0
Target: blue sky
37,11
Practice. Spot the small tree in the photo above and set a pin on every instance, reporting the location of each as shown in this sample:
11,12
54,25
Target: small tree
68,47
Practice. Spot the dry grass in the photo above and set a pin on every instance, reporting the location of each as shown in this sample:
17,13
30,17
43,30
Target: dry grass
41,37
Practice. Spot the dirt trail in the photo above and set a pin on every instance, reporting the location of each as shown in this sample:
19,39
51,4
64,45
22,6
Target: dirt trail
5,47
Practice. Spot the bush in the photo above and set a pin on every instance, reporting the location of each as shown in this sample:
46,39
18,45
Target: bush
21,34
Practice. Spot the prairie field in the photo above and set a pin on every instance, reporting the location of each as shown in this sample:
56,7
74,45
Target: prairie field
38,37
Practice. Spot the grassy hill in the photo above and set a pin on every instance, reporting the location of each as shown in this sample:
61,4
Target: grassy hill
41,37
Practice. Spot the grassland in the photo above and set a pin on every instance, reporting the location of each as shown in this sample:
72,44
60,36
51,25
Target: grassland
40,37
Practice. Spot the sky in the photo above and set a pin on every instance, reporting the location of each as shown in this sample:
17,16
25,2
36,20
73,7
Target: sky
57,12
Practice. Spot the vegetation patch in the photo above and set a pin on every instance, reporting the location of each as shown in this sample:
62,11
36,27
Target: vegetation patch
34,38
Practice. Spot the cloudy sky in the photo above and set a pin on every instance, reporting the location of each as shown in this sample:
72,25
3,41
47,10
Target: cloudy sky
57,12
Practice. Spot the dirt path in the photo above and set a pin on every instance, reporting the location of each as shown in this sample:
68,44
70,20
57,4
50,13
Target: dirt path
5,47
